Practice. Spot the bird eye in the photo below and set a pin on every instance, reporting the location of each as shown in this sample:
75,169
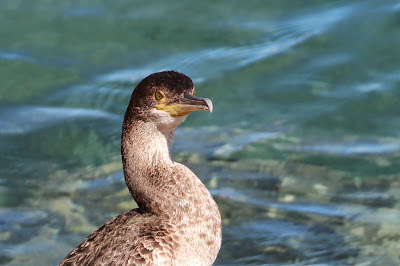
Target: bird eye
159,95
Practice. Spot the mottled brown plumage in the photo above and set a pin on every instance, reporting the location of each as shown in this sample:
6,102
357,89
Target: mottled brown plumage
178,222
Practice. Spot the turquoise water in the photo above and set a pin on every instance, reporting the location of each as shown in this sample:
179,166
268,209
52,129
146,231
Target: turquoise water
302,152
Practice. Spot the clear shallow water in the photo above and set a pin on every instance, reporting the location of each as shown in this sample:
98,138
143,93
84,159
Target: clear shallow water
301,152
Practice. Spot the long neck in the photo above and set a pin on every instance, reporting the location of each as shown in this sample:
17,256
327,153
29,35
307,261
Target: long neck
157,183
169,190
146,159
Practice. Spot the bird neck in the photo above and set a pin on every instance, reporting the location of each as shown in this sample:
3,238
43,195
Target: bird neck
146,146
167,189
148,166
145,153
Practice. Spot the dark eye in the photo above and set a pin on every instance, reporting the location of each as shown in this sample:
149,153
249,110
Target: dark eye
159,95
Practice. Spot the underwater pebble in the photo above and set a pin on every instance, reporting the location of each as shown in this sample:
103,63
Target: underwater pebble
321,188
358,231
288,198
213,183
72,214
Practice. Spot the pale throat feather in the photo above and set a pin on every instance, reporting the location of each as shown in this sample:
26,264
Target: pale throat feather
147,144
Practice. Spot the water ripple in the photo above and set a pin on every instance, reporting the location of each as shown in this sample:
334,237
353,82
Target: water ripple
84,12
352,148
29,57
19,56
204,63
22,120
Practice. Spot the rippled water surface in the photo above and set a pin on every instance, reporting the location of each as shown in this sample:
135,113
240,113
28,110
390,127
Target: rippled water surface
302,152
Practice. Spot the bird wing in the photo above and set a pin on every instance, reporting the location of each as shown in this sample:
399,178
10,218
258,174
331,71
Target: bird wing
125,240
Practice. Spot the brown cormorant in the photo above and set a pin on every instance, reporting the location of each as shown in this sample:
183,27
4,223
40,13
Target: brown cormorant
177,222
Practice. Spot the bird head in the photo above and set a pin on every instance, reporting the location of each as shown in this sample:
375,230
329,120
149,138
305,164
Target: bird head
166,98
